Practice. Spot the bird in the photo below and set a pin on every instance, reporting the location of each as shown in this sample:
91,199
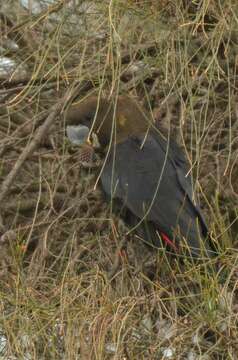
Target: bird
144,171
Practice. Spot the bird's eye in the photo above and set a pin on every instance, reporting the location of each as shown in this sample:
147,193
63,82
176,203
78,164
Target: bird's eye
87,120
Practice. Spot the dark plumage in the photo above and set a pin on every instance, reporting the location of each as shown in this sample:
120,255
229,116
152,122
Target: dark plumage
143,170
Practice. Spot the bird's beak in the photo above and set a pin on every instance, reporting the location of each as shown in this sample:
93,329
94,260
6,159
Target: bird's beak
78,135
94,142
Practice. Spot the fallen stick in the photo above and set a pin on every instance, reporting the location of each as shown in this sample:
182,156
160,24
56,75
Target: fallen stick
38,136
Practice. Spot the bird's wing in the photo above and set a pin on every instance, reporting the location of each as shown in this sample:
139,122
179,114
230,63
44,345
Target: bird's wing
145,177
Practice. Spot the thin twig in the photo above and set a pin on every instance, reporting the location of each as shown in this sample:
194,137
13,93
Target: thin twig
39,134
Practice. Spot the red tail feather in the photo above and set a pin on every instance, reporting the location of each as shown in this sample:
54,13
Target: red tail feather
168,241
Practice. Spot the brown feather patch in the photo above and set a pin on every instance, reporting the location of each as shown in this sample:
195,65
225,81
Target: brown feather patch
86,154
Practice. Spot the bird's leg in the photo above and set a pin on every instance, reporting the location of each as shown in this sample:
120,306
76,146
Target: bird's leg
120,253
118,257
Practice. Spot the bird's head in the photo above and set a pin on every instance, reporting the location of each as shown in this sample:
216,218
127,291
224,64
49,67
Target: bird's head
98,121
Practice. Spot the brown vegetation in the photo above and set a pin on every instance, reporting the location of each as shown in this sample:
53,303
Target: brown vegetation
68,290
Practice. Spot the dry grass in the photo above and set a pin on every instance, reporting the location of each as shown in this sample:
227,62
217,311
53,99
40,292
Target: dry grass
59,242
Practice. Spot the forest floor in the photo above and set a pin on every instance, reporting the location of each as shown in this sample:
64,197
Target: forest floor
59,244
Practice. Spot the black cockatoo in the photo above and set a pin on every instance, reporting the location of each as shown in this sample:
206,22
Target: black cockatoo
145,171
